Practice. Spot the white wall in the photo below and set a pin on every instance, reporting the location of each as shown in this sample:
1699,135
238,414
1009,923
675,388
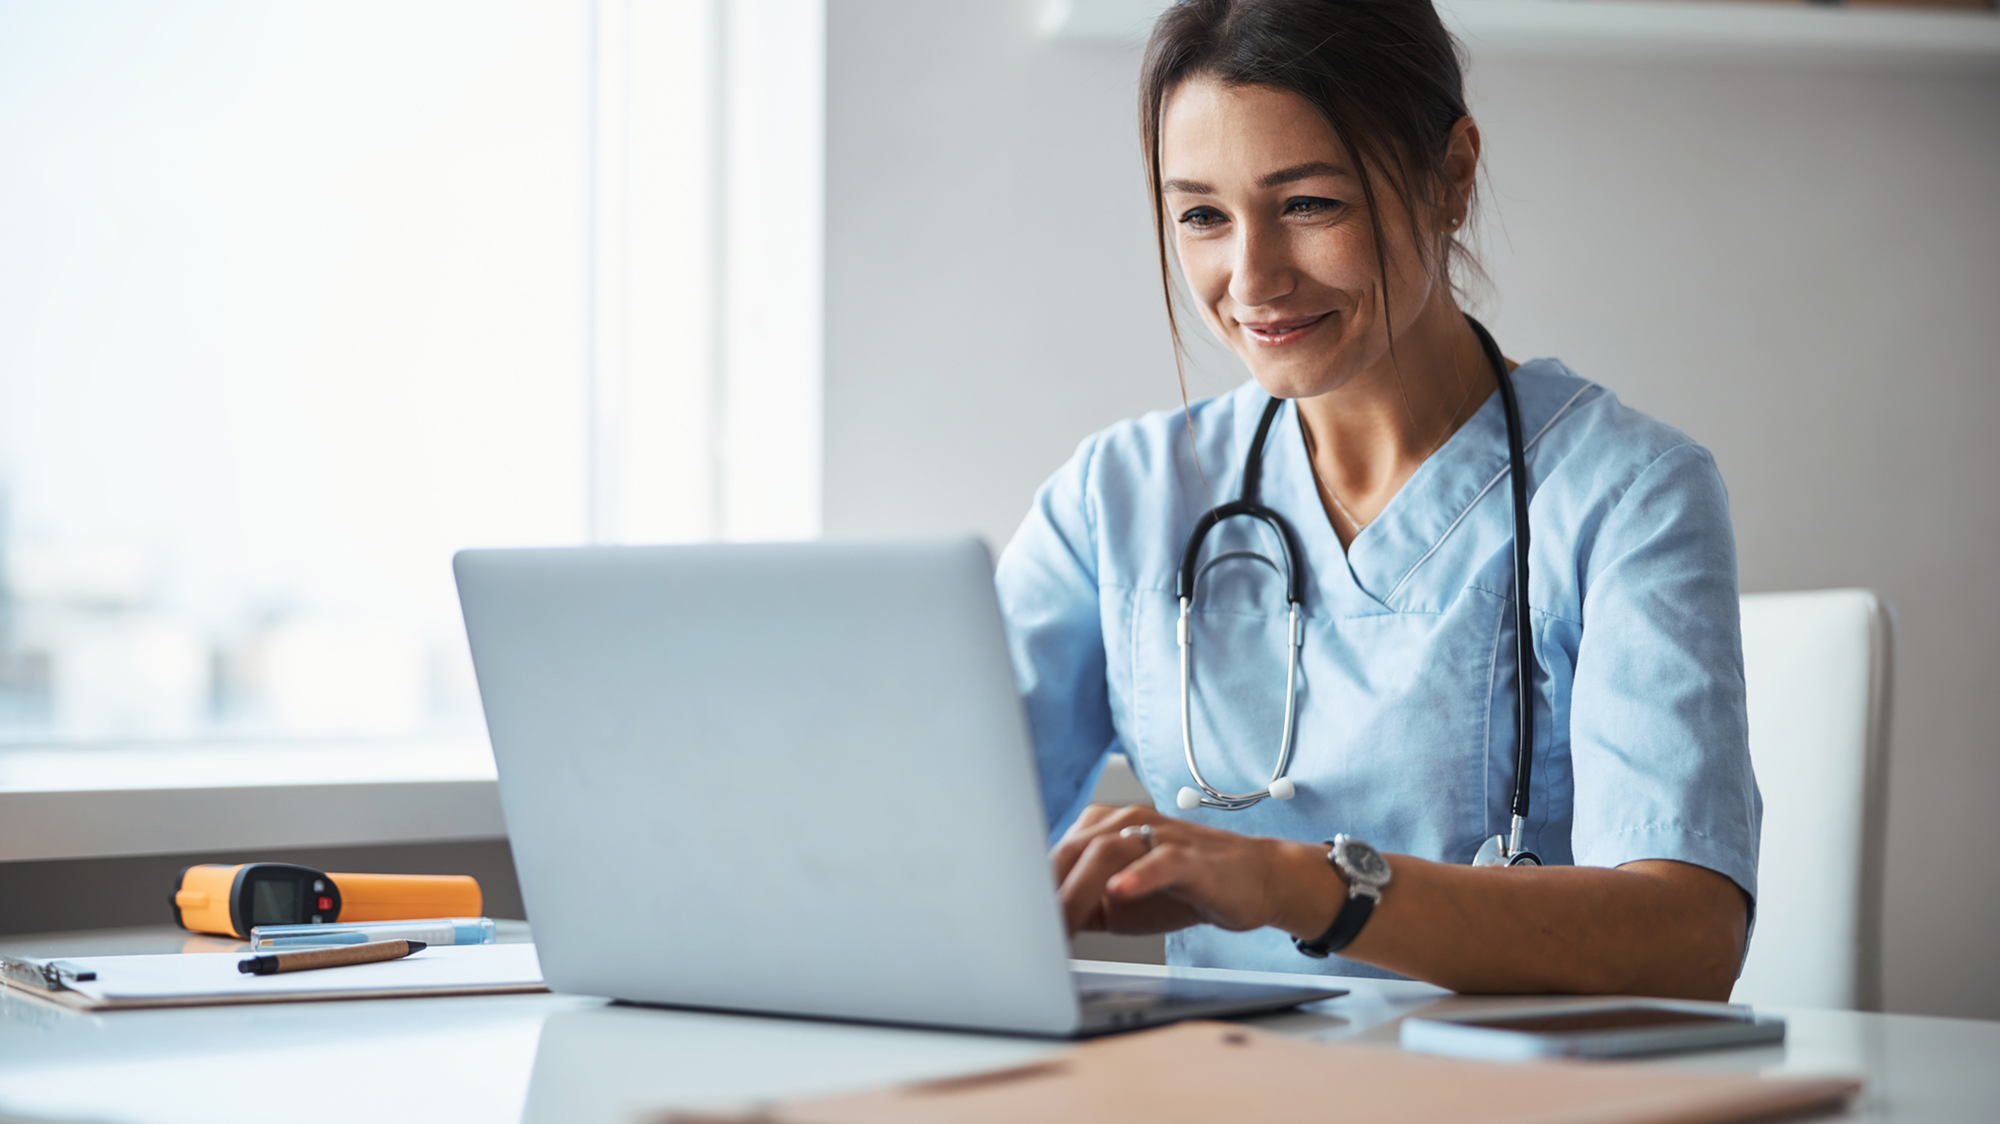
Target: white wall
1798,267
991,298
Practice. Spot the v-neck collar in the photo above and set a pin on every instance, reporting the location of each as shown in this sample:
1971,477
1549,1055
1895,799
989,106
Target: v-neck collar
1367,576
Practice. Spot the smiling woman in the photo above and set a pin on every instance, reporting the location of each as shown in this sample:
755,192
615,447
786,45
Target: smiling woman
1386,96
1298,272
1313,167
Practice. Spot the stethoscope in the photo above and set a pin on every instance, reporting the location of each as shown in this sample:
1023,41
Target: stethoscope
1500,850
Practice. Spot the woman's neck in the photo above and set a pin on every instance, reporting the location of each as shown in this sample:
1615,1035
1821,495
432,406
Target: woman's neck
1367,438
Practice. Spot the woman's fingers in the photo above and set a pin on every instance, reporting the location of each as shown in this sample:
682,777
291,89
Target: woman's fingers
1155,913
1099,858
1096,820
1093,813
1219,881
1169,876
1158,872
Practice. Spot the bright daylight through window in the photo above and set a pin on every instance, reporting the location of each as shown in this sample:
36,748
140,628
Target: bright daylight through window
296,300
292,308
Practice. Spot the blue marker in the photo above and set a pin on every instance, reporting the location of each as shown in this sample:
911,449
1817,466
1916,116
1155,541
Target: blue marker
433,932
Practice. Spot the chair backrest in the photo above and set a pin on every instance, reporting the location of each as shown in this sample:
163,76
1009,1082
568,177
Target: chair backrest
1816,667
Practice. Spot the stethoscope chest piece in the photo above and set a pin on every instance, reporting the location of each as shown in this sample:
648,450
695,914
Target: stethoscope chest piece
1496,851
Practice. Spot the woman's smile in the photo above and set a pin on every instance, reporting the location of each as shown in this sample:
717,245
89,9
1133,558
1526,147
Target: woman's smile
1278,333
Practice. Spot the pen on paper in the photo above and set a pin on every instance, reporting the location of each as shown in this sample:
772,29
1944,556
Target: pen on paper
328,957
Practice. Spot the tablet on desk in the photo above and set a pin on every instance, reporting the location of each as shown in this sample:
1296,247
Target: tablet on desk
1620,1028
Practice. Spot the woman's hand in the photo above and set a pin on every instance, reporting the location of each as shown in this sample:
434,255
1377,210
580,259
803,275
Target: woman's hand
1652,927
1192,874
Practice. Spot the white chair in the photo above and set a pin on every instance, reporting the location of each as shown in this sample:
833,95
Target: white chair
1817,670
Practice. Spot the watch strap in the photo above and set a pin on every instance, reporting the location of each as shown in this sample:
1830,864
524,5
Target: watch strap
1346,926
1364,889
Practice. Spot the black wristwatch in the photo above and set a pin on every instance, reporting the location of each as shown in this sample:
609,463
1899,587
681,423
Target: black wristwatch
1366,872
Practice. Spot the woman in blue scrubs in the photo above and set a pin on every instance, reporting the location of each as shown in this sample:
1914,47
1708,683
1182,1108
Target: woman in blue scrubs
1313,168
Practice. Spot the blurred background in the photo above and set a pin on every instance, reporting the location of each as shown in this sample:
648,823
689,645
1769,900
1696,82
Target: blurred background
297,299
288,311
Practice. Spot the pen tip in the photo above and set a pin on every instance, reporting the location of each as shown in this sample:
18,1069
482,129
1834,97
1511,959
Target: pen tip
418,946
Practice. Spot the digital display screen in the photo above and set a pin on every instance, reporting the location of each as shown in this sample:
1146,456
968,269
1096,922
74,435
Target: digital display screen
1622,1018
276,902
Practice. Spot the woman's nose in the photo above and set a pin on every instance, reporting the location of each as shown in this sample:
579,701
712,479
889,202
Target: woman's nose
1263,269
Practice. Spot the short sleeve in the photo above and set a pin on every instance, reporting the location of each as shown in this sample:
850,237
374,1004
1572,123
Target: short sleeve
1659,732
1047,582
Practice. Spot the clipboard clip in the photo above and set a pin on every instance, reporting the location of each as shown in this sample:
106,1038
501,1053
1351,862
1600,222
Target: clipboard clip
43,975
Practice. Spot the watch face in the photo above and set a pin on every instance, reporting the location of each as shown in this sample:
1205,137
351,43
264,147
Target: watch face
1366,862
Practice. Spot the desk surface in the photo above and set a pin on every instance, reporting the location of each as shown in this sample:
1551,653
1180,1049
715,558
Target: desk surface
537,1058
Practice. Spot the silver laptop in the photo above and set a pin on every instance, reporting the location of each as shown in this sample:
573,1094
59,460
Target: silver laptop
792,779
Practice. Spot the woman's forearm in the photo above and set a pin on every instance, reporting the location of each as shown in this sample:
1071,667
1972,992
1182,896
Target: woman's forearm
1656,928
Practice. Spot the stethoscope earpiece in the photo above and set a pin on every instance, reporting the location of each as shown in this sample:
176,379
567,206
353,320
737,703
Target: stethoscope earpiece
1188,799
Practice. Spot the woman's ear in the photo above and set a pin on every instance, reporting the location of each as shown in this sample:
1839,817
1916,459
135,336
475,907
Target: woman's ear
1461,167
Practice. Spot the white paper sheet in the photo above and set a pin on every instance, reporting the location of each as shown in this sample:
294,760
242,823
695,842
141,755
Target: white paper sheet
212,977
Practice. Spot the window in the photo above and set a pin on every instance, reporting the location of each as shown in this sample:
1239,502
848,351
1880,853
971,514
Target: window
298,299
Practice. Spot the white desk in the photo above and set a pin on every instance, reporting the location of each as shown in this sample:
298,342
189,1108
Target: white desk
536,1058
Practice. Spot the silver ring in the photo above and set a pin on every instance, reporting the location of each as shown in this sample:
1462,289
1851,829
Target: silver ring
1142,831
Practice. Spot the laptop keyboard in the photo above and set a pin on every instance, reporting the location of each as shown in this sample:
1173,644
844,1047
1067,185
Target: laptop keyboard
1099,993
1115,1001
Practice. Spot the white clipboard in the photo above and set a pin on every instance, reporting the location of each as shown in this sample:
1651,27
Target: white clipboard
101,983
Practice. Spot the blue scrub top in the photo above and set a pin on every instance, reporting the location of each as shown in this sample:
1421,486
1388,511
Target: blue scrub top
1406,694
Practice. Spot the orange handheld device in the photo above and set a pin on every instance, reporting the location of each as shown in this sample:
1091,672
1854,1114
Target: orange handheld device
229,900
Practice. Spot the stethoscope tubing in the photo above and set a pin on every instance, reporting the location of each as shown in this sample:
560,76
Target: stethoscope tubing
1525,662
1189,579
1294,639
1192,570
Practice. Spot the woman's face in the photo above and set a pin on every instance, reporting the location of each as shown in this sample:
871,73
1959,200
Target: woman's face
1273,237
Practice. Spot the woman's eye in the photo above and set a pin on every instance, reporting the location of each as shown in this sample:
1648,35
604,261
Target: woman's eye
1201,218
1311,206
